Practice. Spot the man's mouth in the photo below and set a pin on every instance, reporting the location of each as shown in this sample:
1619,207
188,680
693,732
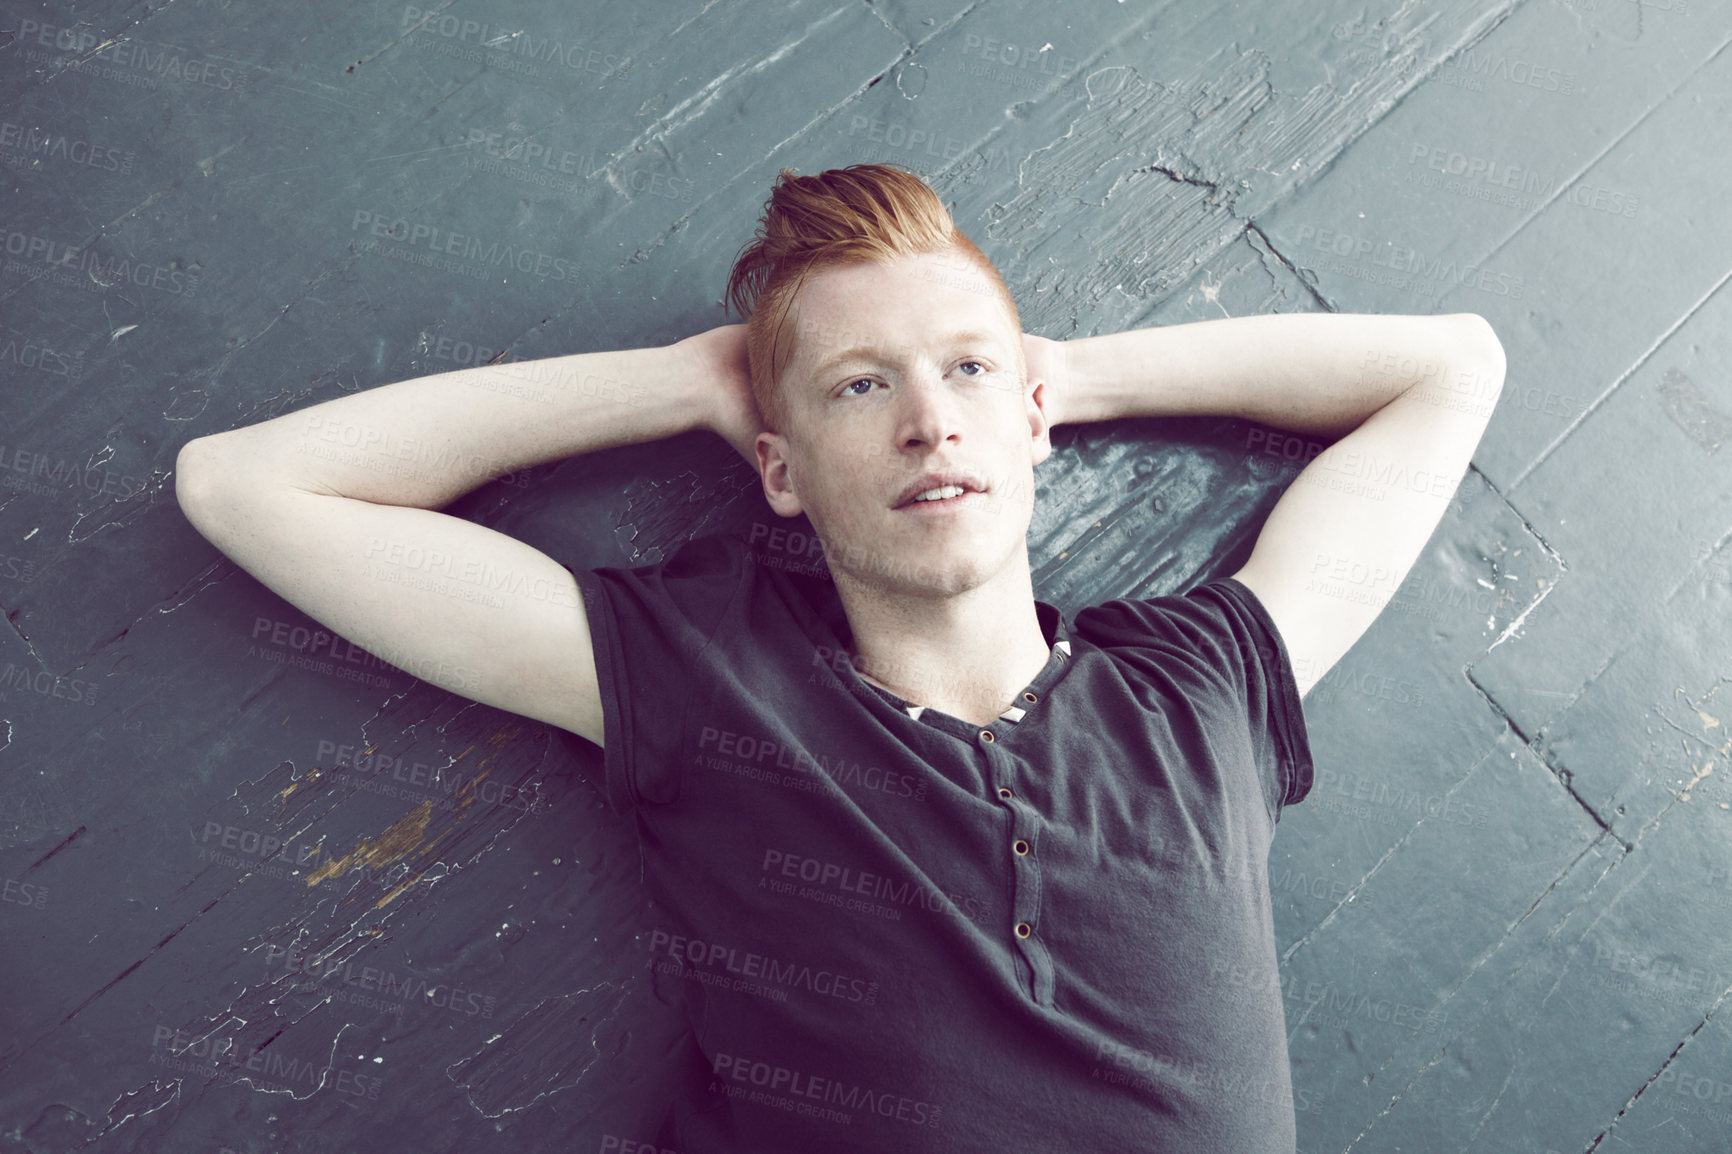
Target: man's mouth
942,498
941,489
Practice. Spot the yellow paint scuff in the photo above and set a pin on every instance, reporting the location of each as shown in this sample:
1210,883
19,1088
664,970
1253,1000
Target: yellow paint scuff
390,847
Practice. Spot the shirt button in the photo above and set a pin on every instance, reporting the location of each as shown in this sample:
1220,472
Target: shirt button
1029,697
1021,847
1023,929
1005,793
986,735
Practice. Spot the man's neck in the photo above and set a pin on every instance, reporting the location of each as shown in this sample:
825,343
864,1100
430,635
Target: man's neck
967,655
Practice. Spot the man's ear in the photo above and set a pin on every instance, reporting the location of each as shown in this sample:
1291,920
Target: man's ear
773,469
1038,426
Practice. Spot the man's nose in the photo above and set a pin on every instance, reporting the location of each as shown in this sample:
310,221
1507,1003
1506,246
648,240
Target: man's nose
928,413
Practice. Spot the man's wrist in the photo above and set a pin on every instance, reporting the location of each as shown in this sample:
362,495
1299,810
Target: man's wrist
693,366
1088,393
1050,362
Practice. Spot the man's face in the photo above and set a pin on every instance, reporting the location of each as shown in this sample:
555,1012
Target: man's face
901,371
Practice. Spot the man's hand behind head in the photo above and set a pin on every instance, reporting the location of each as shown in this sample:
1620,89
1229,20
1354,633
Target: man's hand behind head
1048,364
720,356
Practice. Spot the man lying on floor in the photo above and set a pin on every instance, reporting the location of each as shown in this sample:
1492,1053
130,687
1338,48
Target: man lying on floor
941,870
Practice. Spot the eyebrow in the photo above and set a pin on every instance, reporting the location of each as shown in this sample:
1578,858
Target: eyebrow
866,352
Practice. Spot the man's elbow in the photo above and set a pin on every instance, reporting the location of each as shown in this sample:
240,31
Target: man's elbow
187,472
196,470
1479,343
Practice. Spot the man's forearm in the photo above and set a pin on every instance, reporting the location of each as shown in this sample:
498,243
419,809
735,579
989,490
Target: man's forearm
1321,373
427,441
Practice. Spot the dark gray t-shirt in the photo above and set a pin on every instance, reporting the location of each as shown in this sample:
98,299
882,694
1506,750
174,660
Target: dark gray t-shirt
896,930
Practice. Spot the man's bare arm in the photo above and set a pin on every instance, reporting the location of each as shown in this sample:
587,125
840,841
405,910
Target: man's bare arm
332,507
1411,394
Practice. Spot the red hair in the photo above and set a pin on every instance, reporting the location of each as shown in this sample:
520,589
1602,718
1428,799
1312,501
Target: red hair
865,213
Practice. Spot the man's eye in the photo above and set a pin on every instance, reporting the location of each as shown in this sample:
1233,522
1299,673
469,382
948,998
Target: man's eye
977,365
867,381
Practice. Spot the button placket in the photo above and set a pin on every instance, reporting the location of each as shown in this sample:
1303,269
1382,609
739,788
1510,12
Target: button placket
1025,909
1025,875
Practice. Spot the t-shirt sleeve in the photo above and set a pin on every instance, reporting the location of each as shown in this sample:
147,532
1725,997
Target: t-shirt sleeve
649,627
1224,638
